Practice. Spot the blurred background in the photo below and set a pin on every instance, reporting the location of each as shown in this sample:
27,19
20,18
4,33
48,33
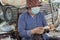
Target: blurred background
11,9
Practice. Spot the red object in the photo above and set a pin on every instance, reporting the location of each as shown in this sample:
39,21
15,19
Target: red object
33,3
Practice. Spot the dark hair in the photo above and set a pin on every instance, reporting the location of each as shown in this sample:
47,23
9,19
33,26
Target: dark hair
28,7
32,6
37,37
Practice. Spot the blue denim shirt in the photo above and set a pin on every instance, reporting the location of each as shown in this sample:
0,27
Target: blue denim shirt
26,23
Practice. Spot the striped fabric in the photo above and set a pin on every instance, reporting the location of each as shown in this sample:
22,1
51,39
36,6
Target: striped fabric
33,3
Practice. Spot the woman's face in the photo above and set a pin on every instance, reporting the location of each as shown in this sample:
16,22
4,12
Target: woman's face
34,10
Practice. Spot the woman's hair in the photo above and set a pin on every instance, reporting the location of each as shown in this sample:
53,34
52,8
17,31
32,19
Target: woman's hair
28,8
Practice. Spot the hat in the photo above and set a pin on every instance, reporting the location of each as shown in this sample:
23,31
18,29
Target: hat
33,3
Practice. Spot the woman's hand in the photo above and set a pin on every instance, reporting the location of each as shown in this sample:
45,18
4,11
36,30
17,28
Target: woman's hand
52,27
49,27
38,30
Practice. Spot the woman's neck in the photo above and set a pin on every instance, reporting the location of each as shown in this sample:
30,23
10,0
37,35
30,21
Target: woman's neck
32,15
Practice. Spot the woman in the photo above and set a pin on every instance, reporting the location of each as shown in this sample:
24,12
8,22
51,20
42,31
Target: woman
32,22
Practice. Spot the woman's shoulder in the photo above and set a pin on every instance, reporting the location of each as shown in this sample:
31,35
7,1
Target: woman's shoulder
41,14
23,14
